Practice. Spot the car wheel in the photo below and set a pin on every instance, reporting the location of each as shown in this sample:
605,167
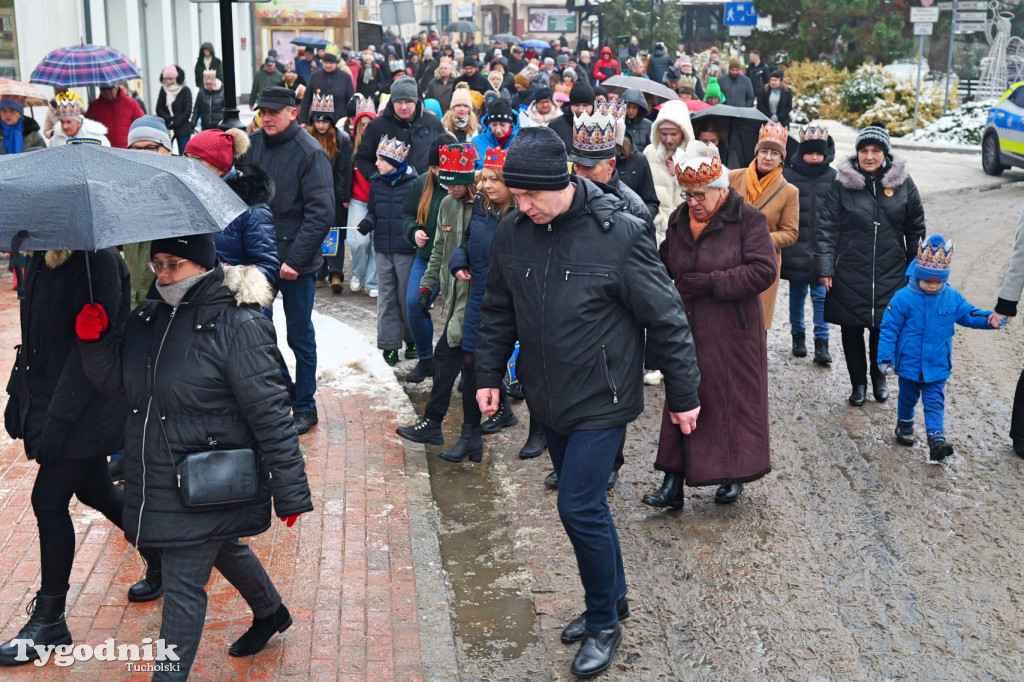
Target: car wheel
990,155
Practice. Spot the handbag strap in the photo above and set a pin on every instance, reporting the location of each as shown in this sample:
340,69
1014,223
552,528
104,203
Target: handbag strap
761,207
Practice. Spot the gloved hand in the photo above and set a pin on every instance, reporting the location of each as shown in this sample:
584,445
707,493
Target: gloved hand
884,368
47,450
365,227
423,301
91,322
696,285
289,521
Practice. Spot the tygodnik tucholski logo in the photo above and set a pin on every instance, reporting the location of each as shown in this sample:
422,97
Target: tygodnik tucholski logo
150,656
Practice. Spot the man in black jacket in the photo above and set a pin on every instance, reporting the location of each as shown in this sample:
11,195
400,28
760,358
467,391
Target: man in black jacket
471,76
581,335
758,72
303,208
403,118
581,101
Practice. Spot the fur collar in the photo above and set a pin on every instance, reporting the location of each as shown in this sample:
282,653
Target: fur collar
55,259
542,119
248,284
252,184
851,178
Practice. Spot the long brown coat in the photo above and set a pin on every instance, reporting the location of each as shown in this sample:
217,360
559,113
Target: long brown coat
719,279
782,211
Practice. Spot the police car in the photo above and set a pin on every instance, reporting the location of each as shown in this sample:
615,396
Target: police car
1002,143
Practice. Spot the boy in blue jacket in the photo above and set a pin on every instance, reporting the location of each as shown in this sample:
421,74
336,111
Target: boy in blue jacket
916,339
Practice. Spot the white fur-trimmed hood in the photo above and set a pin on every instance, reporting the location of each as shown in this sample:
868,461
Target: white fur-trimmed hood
673,111
248,284
851,178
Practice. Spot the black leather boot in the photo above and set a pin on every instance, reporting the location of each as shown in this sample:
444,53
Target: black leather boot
938,448
881,389
422,370
1018,447
597,651
501,419
152,586
670,494
426,430
535,442
858,396
799,345
45,626
821,354
260,632
728,493
551,480
470,445
577,628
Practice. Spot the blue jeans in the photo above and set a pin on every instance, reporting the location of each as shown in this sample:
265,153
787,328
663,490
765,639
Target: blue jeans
583,460
364,266
298,316
181,142
933,400
422,328
797,296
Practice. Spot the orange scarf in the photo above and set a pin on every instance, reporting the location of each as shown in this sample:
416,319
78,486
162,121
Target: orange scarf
756,186
697,227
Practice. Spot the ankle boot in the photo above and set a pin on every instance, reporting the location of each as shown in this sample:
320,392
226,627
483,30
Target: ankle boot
728,493
799,345
260,632
821,354
423,369
152,586
535,442
905,431
597,651
45,626
881,389
425,430
501,419
470,444
670,494
858,396
938,448
576,630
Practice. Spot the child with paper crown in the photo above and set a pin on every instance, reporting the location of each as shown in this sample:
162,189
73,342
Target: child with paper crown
916,340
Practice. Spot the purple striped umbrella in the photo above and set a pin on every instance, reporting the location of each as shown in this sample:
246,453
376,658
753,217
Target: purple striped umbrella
82,65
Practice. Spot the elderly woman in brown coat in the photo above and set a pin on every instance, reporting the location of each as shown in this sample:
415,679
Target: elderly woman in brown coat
720,255
761,184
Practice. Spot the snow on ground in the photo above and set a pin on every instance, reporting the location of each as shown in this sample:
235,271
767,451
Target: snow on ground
347,361
961,127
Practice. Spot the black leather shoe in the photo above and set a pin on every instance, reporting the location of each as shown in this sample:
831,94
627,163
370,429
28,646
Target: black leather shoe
670,494
821,354
613,478
597,651
304,421
535,442
728,493
858,396
1018,447
470,445
502,419
426,430
116,469
149,588
799,346
881,390
516,391
260,632
45,626
551,480
576,629
422,370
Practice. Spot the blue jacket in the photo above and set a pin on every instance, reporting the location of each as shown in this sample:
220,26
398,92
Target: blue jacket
916,336
384,211
475,255
486,140
250,238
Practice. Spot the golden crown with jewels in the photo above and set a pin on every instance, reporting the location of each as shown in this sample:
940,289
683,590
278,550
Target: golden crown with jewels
392,149
694,174
69,104
593,133
322,104
814,133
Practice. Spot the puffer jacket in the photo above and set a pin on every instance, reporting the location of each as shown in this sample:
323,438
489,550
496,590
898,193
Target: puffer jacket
639,131
452,222
474,255
209,107
669,194
52,403
868,233
384,212
419,133
814,182
201,376
635,173
658,64
249,239
578,294
411,206
486,140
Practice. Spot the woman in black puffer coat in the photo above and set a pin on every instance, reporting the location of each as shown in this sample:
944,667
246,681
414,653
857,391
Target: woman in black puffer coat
198,364
867,236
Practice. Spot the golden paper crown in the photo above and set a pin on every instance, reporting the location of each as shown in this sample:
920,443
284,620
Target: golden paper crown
364,105
458,158
209,74
773,132
392,149
934,254
593,133
698,172
814,133
616,109
69,104
688,82
322,104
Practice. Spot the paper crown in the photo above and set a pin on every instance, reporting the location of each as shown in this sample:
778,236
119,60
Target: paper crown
397,65
495,158
773,132
934,257
634,61
814,133
688,83
321,104
593,136
614,108
392,149
699,172
209,74
364,105
458,163
69,104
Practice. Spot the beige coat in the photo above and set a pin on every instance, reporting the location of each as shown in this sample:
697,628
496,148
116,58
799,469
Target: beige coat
782,211
665,185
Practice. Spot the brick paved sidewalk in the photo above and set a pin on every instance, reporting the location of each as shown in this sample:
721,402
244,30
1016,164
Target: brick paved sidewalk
361,574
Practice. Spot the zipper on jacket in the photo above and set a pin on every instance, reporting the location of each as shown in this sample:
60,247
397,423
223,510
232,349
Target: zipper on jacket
543,309
608,374
569,273
520,267
874,258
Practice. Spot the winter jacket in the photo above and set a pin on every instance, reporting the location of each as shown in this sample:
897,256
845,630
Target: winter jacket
343,168
532,117
90,128
263,80
215,64
303,201
634,204
814,182
659,63
452,222
117,116
209,107
474,255
176,117
784,107
639,131
563,126
657,154
759,76
371,87
201,376
578,294
713,70
634,172
306,67
1013,280
476,82
53,406
411,206
384,212
419,133
441,91
606,66
337,83
486,140
720,276
738,92
250,238
868,233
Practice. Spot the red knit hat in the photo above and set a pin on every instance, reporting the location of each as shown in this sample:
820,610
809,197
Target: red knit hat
218,147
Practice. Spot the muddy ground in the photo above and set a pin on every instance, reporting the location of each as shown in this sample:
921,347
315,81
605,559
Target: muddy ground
855,559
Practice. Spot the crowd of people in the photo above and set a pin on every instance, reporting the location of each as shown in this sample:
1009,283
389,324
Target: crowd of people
593,233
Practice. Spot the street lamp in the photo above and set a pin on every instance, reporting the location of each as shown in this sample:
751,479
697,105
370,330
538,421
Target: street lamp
227,50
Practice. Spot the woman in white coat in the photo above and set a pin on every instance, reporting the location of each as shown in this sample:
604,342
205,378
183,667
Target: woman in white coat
672,130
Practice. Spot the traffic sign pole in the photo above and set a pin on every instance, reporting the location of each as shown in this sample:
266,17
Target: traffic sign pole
917,96
949,61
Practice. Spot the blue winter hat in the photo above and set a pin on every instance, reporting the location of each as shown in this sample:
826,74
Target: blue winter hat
933,259
432,105
12,104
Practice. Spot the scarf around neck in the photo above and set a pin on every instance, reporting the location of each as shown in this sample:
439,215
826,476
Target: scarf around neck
697,226
756,186
14,141
171,92
462,121
174,293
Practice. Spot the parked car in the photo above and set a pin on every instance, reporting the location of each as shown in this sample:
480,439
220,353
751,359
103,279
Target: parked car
1002,143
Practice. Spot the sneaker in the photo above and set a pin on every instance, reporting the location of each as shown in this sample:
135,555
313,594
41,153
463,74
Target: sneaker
653,378
410,351
356,284
905,432
372,293
391,357
304,421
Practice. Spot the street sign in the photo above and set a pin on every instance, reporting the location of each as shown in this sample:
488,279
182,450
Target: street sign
764,23
924,15
740,14
968,17
923,29
945,5
971,28
741,31
972,6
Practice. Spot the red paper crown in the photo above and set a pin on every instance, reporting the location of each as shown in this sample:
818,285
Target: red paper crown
458,158
495,158
703,175
774,132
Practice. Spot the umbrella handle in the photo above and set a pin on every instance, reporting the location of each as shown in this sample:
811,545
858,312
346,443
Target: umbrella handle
88,277
19,269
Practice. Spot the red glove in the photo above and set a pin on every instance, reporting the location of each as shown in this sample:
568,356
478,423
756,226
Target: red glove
289,520
91,322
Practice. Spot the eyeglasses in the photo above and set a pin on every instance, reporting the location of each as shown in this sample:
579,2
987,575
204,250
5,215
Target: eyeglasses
157,265
769,152
146,148
688,197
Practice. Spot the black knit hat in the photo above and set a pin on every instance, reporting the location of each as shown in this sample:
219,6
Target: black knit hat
536,160
500,111
434,155
875,134
198,248
470,60
581,93
777,73
542,93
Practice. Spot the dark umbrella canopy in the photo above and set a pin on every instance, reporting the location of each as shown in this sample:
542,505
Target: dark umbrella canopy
740,126
86,197
645,85
312,42
505,38
462,27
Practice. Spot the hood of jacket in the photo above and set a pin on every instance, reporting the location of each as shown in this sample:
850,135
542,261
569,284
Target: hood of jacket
815,169
659,50
542,119
207,46
634,96
251,183
248,284
90,128
893,175
389,112
674,112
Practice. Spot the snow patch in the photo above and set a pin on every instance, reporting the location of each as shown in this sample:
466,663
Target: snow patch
961,127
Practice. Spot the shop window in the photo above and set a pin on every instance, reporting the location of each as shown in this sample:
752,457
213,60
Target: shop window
8,42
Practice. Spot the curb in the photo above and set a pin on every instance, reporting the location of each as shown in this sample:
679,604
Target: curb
920,147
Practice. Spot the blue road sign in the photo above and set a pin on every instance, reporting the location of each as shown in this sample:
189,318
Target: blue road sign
740,14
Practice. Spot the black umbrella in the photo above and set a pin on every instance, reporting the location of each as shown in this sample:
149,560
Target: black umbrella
311,42
462,27
620,84
427,23
739,125
505,38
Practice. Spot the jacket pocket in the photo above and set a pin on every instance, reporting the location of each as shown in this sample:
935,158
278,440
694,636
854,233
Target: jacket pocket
581,273
609,376
521,270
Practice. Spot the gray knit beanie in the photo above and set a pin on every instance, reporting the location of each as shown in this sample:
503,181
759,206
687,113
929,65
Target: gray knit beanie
536,160
875,134
404,90
149,129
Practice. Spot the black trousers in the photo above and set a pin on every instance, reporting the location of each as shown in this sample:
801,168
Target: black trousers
1017,416
447,365
853,348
